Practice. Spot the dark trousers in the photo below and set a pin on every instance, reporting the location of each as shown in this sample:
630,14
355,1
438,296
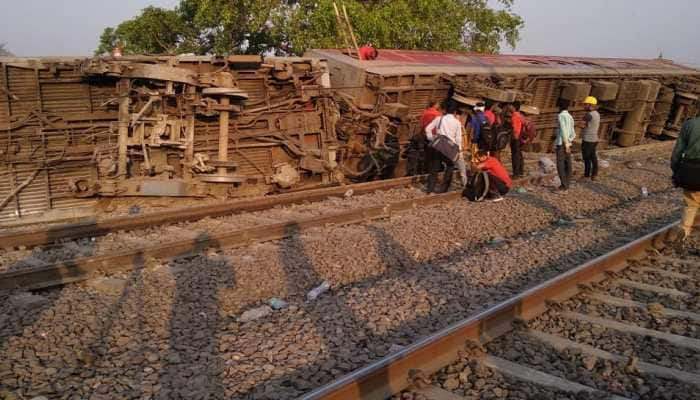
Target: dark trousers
417,153
590,158
436,161
516,157
564,167
497,186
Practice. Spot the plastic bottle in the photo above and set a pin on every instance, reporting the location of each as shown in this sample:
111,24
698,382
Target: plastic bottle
317,291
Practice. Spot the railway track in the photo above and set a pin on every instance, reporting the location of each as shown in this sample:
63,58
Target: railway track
161,303
92,228
81,268
624,325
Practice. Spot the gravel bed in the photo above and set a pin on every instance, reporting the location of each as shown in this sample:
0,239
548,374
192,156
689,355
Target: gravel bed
655,351
11,259
572,365
175,330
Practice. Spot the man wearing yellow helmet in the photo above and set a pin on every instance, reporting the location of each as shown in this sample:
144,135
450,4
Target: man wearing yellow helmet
589,137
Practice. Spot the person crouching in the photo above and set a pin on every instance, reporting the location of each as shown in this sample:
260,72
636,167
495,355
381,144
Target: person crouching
491,181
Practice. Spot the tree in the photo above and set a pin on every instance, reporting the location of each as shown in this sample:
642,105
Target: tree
4,52
156,30
290,27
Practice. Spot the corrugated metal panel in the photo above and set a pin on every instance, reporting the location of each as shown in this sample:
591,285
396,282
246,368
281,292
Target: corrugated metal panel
61,196
255,88
23,84
65,97
33,198
4,116
254,161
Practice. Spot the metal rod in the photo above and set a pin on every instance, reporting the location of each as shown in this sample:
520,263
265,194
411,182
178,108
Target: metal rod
223,134
123,126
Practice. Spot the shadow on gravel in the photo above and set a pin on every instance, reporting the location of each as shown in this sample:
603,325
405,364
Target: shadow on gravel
602,189
20,309
470,297
193,367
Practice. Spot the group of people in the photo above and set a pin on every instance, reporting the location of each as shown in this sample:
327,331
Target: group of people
491,129
443,145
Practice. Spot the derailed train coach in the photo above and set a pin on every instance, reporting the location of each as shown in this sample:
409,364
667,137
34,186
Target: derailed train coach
75,130
637,98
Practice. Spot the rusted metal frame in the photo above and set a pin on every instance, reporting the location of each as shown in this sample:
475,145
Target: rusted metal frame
39,101
390,375
44,236
223,134
83,268
124,101
189,147
8,97
13,184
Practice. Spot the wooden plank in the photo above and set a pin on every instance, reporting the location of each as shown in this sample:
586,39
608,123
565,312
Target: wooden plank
677,340
674,260
562,344
437,393
538,377
651,288
620,302
663,272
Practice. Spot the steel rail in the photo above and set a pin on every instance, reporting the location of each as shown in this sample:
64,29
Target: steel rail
93,228
84,268
47,235
390,375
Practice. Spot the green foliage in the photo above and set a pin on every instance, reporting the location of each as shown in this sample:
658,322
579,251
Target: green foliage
290,27
156,30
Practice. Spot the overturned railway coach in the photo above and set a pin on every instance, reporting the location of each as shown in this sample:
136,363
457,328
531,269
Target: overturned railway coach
637,98
74,130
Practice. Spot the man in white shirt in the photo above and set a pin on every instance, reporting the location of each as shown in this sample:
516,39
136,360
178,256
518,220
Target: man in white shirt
449,126
563,142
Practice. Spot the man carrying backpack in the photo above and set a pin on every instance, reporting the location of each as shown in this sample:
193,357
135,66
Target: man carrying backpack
685,163
445,136
589,138
564,140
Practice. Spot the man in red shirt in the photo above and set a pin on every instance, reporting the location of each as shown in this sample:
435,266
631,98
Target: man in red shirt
516,152
367,52
429,114
419,152
499,181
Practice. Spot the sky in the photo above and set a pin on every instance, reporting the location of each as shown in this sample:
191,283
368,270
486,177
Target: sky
594,28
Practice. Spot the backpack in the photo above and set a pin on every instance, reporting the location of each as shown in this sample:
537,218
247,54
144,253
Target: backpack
477,187
528,132
501,140
486,137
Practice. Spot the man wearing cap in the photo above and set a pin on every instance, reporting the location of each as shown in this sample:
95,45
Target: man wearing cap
477,121
589,137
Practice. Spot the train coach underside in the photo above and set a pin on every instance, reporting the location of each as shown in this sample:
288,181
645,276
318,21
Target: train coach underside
72,131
